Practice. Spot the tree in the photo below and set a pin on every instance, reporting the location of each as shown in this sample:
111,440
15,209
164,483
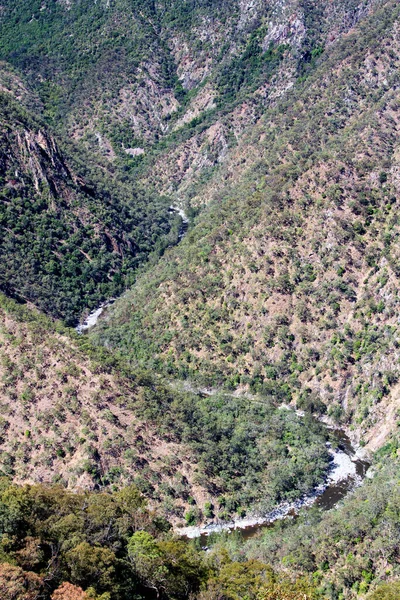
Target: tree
172,568
147,560
386,591
237,581
67,591
92,566
16,584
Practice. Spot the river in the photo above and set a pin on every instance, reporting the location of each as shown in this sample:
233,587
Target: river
347,471
92,318
185,221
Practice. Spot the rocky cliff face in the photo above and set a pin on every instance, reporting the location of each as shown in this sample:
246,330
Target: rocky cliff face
215,47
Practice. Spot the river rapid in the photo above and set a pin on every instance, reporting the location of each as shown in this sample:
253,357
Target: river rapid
347,471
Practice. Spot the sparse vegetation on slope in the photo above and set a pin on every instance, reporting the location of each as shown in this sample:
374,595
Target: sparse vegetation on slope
179,80
287,285
74,414
280,119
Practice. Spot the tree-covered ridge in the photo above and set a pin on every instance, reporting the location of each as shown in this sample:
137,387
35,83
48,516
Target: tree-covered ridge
110,546
69,238
288,283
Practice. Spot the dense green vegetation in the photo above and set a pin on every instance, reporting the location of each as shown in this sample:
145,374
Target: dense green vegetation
249,70
254,454
114,547
69,238
74,49
347,549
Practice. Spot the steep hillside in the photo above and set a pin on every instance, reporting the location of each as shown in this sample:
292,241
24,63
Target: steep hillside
69,238
287,284
167,88
75,415
207,391
160,97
